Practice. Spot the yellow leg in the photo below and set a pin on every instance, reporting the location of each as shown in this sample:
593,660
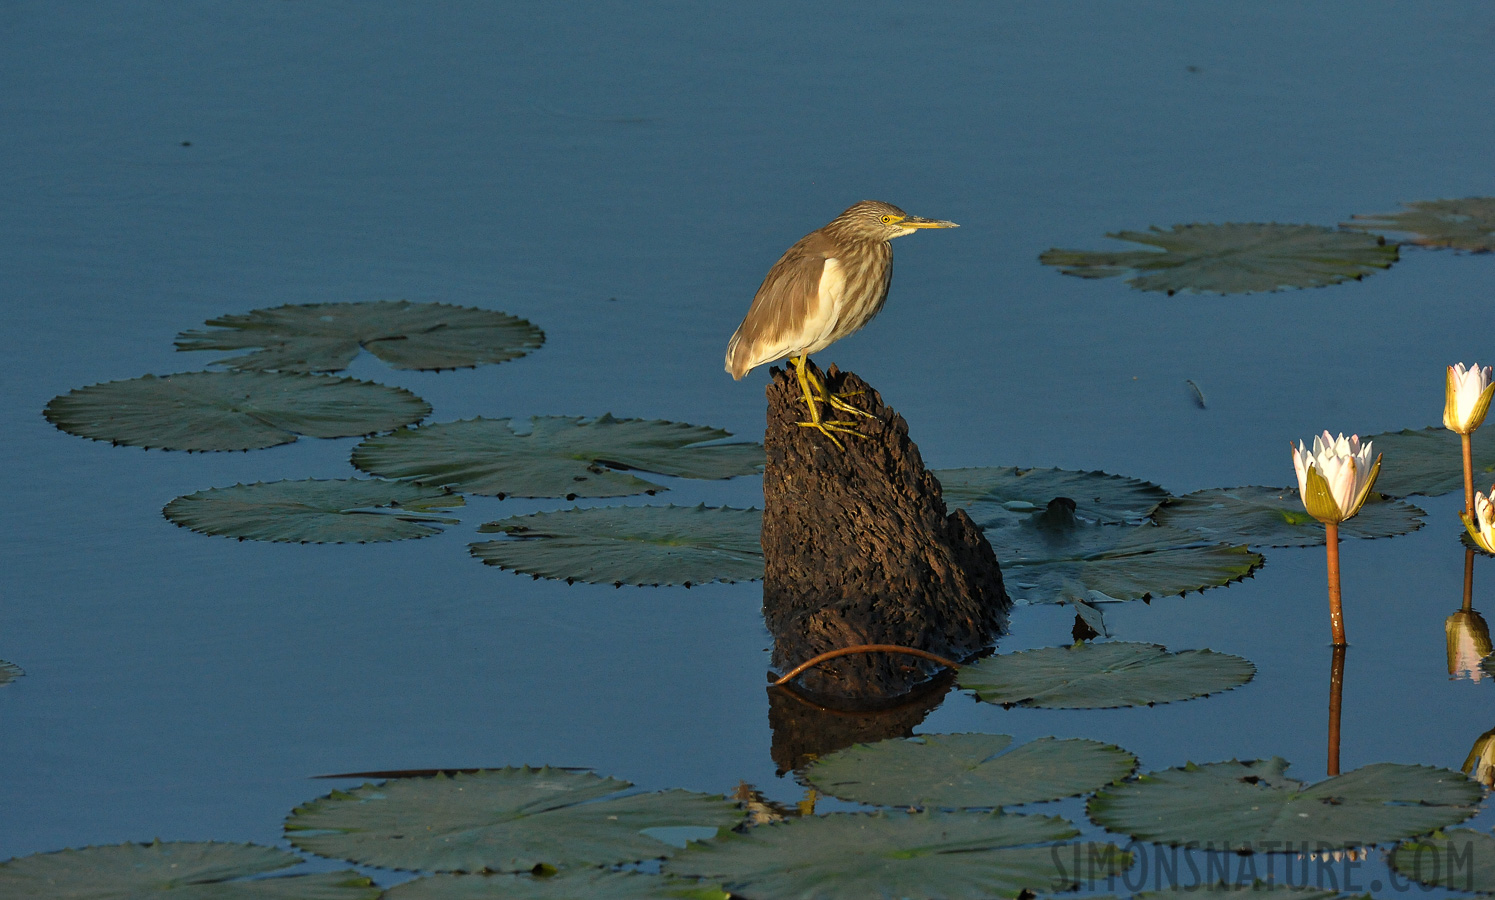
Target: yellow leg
811,400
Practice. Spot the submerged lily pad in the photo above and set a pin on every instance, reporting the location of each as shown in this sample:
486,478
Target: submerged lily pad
1430,461
1254,807
999,495
1274,517
1259,890
1052,557
1233,258
895,854
654,545
500,820
9,672
588,884
968,770
231,410
352,510
558,456
324,337
174,871
1460,859
1464,224
1097,676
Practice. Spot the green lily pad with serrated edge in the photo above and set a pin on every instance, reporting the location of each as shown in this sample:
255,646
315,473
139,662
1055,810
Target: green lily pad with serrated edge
9,672
1052,557
1233,258
500,820
1253,806
1460,858
174,871
352,510
232,410
1430,461
641,545
558,456
955,856
1275,517
1100,676
962,771
324,337
996,495
587,884
1464,224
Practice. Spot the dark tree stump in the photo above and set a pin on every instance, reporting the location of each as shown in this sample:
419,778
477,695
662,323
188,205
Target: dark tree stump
858,549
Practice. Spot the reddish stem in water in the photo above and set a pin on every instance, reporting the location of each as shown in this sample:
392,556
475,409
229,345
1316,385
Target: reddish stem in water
1468,578
1336,692
1468,475
1336,612
863,648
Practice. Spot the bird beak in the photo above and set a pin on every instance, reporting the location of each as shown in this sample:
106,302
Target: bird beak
916,222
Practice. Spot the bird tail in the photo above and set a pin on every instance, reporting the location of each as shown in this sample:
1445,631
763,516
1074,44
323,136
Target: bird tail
737,365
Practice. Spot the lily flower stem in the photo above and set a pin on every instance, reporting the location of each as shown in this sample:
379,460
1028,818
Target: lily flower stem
1468,578
1336,696
1336,612
1468,475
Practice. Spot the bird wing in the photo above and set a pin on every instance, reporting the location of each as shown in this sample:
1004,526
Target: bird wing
787,314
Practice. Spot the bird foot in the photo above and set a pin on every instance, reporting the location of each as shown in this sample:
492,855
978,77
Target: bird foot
835,402
831,428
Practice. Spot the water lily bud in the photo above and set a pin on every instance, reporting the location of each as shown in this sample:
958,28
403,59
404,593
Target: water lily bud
1335,478
1468,643
1482,527
1467,397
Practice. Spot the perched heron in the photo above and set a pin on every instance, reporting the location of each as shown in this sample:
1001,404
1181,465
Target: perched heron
828,285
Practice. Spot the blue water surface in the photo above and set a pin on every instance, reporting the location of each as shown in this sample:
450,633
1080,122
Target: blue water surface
622,174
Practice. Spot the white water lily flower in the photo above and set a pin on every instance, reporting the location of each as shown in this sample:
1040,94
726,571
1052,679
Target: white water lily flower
1468,643
1335,478
1467,397
1482,527
1480,763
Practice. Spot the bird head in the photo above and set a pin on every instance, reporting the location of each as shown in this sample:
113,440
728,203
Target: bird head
878,221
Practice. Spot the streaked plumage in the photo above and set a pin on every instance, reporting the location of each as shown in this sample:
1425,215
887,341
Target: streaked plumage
828,285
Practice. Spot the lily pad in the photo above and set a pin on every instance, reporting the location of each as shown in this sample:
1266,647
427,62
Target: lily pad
1098,676
654,545
176,870
231,410
1052,557
1274,517
556,456
1253,806
9,672
352,510
1464,224
1460,859
500,820
896,854
588,884
968,770
324,337
1233,258
1430,461
1000,495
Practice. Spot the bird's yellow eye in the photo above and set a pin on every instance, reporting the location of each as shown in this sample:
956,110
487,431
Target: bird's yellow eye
889,219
